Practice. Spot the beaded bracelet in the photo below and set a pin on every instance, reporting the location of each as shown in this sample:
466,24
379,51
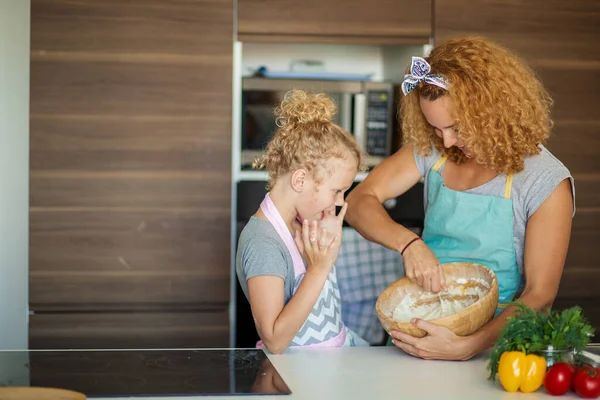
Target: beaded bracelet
409,243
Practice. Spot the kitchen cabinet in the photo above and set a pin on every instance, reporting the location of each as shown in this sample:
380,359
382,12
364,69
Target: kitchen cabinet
560,41
130,173
336,21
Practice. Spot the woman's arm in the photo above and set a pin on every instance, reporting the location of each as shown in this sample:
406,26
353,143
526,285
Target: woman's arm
546,244
390,179
366,214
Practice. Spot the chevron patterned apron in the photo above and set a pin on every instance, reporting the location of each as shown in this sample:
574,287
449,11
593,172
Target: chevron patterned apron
324,326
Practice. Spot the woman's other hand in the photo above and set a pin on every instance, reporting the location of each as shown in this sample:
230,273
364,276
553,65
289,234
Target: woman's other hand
440,343
423,267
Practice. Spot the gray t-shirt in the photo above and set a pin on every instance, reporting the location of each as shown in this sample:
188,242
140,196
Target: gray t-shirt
262,252
530,188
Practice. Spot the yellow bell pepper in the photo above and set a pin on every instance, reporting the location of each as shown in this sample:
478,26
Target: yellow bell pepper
518,371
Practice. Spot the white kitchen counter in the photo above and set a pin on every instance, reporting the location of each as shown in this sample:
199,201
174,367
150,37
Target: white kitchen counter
378,373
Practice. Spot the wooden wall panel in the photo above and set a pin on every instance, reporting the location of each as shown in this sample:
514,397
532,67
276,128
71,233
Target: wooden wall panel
130,158
349,20
576,144
151,142
142,256
140,87
564,31
129,330
160,28
559,40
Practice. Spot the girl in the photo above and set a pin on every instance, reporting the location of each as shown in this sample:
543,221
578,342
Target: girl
290,281
475,120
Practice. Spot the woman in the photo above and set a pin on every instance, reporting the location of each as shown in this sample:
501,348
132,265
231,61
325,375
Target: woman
474,119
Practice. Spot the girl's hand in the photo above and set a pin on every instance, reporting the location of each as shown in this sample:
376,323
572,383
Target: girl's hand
320,249
333,223
423,267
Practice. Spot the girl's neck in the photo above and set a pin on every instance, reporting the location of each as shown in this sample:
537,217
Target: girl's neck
284,200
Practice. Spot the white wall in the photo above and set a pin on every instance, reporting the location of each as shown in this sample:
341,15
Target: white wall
14,172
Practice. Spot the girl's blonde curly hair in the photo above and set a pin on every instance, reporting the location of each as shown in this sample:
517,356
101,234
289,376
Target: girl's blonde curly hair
501,110
307,137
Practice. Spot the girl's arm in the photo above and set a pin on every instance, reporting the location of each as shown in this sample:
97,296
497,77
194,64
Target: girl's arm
278,324
546,243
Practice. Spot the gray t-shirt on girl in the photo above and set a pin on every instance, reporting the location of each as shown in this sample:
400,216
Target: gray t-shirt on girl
530,188
261,252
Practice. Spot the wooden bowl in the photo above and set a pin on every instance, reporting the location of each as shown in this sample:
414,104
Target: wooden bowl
459,276
38,393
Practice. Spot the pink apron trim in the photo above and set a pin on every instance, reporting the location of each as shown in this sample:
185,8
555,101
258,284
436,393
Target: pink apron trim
268,208
337,341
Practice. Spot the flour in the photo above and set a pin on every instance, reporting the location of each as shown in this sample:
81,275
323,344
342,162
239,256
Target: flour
461,294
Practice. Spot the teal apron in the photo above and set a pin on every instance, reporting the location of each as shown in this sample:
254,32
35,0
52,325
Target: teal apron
462,226
469,227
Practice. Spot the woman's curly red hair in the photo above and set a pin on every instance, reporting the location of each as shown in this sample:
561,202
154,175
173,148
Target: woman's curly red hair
501,110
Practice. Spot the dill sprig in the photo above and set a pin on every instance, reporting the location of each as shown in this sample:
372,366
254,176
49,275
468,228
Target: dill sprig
532,332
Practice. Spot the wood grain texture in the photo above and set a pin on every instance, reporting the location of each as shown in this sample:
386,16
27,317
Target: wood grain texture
135,143
129,330
576,143
590,307
536,29
169,27
130,159
323,19
560,41
332,39
151,256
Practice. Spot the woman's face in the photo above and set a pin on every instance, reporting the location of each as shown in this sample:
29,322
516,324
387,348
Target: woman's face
439,115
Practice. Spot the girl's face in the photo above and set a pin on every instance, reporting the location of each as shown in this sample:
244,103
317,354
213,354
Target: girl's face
439,115
316,199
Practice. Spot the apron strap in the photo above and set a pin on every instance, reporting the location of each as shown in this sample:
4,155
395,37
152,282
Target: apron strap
440,162
509,177
508,187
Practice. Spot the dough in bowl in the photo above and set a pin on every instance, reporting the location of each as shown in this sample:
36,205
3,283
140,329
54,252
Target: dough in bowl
461,294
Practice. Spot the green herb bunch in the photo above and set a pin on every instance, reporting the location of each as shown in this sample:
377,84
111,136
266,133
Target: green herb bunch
532,332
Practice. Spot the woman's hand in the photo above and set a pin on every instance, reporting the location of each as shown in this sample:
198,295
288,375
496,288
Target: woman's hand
423,267
319,248
439,344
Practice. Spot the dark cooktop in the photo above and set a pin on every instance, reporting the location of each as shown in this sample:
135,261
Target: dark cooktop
106,373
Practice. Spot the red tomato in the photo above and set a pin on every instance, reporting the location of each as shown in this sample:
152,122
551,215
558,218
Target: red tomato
587,382
558,379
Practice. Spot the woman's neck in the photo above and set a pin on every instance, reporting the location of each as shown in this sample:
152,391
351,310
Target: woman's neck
466,176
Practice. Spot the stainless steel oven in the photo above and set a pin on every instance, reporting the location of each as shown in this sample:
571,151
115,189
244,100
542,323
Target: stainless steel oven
365,109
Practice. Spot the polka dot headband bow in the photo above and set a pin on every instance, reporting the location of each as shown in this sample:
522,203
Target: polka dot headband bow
419,72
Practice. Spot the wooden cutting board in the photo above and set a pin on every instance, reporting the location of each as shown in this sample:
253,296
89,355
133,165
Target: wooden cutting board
35,393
